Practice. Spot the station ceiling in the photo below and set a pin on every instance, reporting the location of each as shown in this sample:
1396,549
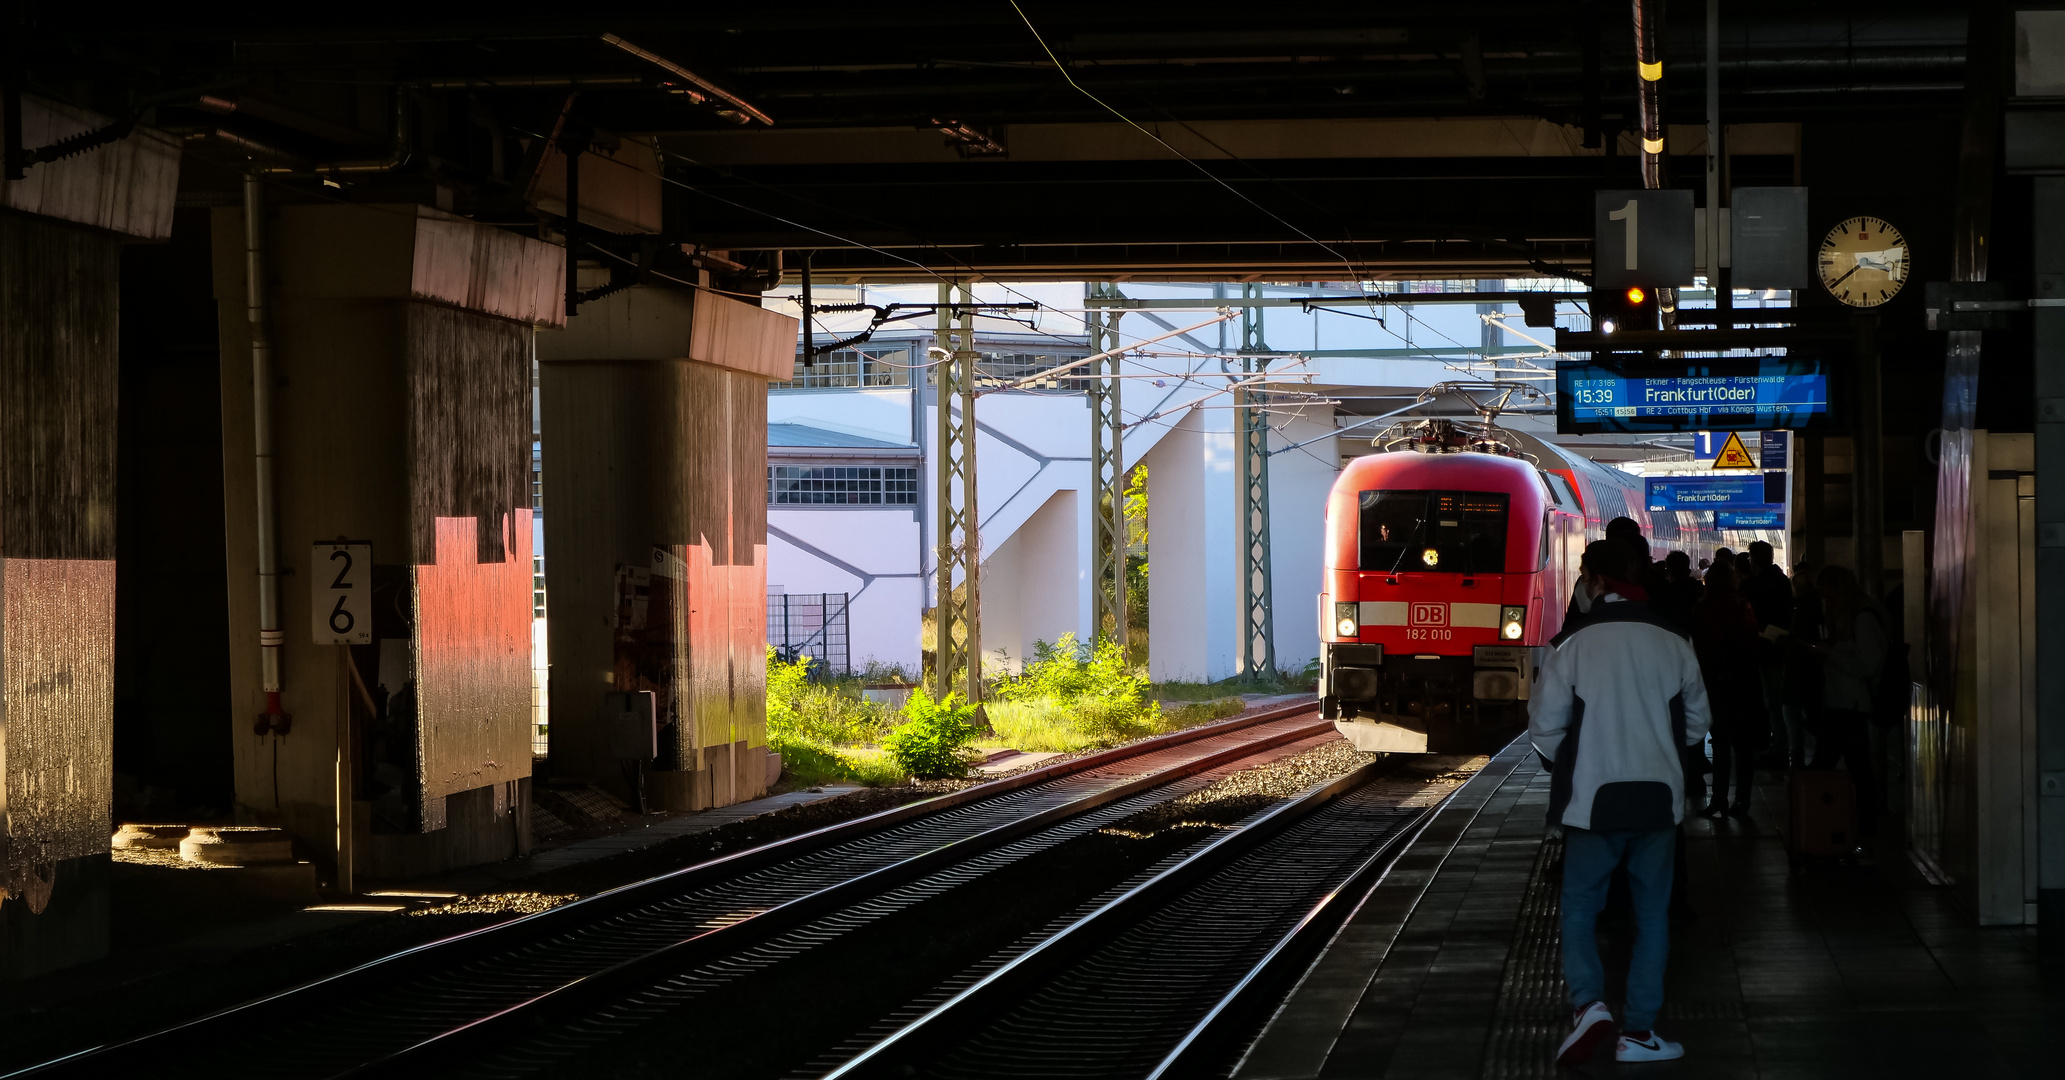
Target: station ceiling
1043,140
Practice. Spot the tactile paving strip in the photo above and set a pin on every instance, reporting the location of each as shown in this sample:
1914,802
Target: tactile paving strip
1532,1017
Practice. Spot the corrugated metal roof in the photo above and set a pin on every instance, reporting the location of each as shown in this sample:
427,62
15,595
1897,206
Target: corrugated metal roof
805,435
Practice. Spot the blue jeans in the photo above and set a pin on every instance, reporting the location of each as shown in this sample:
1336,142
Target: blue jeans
1589,859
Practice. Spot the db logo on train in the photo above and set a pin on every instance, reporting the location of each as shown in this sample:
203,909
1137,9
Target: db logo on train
1429,615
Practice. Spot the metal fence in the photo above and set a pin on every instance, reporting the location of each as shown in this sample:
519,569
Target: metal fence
810,624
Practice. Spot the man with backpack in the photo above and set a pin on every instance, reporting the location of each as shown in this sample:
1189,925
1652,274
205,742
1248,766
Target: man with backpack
1618,698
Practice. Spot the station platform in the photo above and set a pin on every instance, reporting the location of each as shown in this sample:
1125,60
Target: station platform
1450,967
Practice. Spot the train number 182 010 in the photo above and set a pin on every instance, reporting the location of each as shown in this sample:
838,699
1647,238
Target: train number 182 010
1418,634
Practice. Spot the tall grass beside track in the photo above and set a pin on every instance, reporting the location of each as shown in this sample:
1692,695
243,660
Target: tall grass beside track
1069,697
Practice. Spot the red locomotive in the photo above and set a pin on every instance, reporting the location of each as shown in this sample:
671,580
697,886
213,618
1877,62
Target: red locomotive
1448,566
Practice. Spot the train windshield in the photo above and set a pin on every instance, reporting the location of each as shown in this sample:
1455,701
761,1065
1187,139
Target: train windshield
1452,532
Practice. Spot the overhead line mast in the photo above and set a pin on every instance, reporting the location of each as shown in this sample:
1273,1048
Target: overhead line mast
1258,637
959,551
1107,463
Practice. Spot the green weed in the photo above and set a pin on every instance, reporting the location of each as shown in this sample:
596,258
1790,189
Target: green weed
814,726
933,743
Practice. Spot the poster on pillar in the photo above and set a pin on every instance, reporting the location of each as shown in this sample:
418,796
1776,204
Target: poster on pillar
340,579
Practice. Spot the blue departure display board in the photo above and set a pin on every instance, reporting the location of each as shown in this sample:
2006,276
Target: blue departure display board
1730,492
1749,519
1700,395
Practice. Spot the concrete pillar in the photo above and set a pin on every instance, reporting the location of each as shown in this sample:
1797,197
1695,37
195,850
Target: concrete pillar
1299,482
1034,583
2049,656
61,230
1192,524
401,341
655,457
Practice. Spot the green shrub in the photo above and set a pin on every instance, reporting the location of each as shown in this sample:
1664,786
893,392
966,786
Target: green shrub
813,727
1105,698
829,715
932,744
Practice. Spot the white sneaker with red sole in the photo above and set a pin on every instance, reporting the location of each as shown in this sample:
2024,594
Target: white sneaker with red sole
1593,1025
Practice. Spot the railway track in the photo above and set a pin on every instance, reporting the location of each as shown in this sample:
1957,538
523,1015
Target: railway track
552,984
1170,977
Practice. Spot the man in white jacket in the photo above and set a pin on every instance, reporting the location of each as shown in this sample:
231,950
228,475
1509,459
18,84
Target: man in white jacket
1619,697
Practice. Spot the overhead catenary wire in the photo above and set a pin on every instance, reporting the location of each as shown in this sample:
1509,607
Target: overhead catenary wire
1073,364
1353,273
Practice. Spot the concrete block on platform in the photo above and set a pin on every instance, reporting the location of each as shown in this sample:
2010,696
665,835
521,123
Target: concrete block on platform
150,837
1006,760
237,845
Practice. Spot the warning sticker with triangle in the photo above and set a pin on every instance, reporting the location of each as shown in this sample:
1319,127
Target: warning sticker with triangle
1733,454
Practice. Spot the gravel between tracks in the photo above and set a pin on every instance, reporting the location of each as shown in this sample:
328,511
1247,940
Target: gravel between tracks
1247,791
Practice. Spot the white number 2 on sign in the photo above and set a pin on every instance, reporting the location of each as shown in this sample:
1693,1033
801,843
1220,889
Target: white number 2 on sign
341,594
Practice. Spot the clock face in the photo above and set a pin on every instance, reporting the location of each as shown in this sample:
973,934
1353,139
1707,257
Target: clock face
1863,262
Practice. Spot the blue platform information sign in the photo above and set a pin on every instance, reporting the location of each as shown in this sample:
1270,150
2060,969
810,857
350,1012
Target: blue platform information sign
1730,492
1749,519
1715,395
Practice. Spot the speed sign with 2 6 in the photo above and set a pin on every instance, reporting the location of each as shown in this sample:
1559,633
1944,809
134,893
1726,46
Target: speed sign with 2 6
341,587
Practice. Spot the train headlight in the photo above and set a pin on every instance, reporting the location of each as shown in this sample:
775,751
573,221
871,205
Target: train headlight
1512,623
1431,557
1345,622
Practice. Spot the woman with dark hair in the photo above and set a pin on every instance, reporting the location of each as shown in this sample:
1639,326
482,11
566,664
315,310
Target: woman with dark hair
1725,637
1851,657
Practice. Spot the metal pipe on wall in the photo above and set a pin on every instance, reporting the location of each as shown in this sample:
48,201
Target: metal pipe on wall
1718,277
572,148
1649,93
1649,119
271,638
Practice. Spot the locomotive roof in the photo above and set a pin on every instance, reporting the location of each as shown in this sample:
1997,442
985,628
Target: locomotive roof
1465,469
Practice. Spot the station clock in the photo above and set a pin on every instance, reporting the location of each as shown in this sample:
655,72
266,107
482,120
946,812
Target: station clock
1863,262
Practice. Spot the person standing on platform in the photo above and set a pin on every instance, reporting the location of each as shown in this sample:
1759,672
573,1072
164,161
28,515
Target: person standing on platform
1641,573
1801,689
1851,658
1770,594
1616,701
1725,638
1679,597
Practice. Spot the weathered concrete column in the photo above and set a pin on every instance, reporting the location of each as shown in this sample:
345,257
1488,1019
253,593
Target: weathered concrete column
1193,595
61,230
654,414
401,342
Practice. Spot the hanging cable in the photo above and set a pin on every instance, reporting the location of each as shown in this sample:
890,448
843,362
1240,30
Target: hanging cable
1186,159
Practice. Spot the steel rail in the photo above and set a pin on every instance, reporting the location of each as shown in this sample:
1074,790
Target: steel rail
923,1040
223,1026
434,1056
1265,982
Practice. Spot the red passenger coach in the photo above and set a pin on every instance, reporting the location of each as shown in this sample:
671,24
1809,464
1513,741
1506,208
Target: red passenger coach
1447,573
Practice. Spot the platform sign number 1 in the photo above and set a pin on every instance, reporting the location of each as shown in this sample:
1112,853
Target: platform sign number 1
1641,238
1630,212
341,594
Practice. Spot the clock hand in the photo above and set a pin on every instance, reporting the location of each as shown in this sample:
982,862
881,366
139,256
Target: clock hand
1832,285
